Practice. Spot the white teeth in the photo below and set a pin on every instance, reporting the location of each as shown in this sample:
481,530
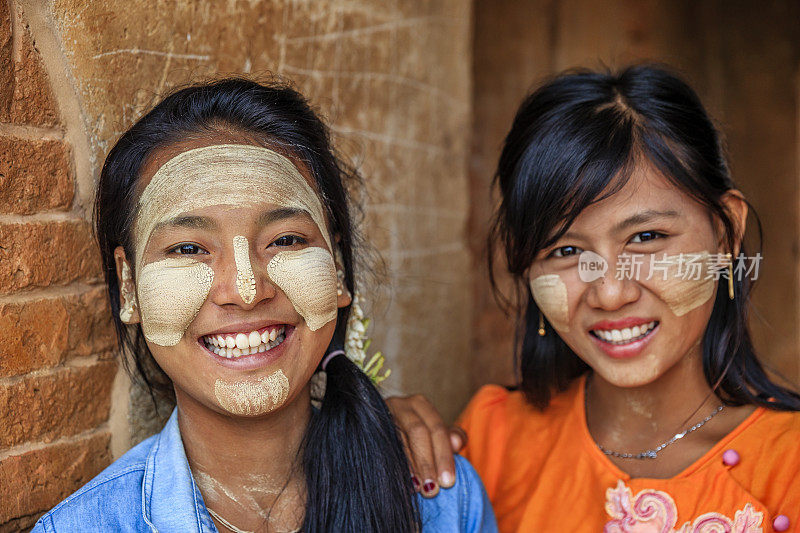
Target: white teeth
623,336
254,339
230,346
242,341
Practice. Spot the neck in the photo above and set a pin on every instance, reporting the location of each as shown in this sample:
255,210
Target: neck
638,418
249,470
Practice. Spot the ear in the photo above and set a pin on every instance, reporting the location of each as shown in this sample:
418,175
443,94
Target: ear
344,297
128,304
736,206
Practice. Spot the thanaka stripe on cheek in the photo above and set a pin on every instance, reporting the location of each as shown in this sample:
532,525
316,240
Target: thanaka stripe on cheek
308,278
170,294
550,294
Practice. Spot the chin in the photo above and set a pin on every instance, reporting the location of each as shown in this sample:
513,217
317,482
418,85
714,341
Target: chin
631,374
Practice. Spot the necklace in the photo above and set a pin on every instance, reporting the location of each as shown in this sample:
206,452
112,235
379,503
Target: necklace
233,528
652,453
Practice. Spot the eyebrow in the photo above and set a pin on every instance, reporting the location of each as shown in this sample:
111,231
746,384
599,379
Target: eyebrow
187,221
644,216
275,215
639,218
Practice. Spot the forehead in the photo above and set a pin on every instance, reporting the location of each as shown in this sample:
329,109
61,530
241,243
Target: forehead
198,174
645,190
162,154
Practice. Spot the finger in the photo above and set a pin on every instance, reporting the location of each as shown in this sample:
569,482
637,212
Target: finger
407,450
419,442
440,440
458,438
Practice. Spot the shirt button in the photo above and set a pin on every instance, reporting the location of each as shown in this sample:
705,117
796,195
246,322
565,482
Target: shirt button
781,523
730,458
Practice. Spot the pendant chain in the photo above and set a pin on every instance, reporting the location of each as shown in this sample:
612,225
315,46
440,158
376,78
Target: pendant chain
233,528
653,453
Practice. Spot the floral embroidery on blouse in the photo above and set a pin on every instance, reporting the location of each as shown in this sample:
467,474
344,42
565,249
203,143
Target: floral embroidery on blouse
654,511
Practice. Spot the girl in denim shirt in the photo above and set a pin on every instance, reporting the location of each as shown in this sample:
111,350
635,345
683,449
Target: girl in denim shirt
226,236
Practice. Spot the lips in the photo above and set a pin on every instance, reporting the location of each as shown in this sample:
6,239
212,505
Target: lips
247,346
238,344
624,338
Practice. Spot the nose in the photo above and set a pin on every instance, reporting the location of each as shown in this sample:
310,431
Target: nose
242,282
617,288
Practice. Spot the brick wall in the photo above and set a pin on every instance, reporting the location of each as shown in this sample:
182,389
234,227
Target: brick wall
55,337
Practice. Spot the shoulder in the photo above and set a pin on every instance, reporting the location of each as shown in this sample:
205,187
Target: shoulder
769,464
463,507
110,499
499,405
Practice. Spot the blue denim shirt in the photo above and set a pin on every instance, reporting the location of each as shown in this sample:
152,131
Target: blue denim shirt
151,489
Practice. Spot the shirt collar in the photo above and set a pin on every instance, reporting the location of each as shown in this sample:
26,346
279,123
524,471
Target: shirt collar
171,500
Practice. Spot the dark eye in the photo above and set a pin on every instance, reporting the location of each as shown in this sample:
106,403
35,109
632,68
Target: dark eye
289,240
566,251
645,236
188,248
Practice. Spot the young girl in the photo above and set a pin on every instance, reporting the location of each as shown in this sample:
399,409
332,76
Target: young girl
228,248
642,405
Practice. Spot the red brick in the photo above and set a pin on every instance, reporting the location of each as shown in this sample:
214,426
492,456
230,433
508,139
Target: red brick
6,62
67,402
33,102
45,332
39,254
34,176
35,481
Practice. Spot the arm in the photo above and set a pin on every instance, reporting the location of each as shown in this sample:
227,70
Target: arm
430,443
477,514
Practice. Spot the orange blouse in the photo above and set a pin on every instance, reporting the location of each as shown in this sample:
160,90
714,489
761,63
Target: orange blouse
543,472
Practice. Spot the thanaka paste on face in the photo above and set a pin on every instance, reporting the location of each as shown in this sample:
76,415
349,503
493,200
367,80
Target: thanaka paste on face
308,278
227,174
247,397
684,295
237,175
171,292
550,294
245,280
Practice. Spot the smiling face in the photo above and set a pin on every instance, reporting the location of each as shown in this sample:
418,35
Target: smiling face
235,279
632,327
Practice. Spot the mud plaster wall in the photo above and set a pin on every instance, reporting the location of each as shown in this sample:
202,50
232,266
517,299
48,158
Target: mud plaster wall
744,60
393,78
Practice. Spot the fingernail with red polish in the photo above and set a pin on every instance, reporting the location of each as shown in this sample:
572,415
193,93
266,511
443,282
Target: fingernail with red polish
416,483
429,486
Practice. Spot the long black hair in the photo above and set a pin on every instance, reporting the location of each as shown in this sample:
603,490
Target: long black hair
357,474
581,134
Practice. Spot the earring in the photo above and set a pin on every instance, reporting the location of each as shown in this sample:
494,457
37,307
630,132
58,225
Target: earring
730,276
541,325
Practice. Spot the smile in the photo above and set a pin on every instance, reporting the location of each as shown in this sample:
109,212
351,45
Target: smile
621,337
233,345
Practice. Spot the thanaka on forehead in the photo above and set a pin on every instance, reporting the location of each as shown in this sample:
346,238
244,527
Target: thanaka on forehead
234,174
266,218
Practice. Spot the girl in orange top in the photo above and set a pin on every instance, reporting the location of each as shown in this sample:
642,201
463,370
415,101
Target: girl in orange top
641,404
